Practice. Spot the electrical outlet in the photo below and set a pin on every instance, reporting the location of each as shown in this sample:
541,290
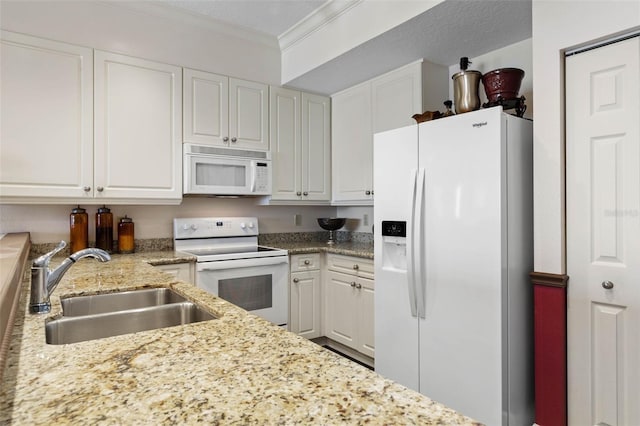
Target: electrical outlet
365,220
297,219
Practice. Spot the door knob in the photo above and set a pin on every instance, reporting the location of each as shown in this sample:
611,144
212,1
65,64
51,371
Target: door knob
87,188
358,286
306,262
356,267
352,284
234,139
608,285
367,192
100,189
296,280
305,193
225,139
298,193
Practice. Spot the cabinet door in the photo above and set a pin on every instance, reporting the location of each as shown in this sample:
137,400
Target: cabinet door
304,316
206,108
341,313
138,126
248,114
47,118
366,320
396,97
352,145
286,153
316,147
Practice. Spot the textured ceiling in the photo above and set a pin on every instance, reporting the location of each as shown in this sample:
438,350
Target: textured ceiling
272,17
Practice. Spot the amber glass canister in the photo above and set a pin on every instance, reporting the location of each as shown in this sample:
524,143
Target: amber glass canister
125,235
104,229
78,229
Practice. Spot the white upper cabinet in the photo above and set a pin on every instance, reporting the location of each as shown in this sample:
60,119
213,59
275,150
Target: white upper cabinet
138,110
224,111
384,103
300,146
46,135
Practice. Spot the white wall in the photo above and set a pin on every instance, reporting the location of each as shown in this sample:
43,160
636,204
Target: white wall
49,223
558,26
517,55
149,31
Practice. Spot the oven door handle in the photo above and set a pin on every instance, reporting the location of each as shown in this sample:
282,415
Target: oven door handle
241,263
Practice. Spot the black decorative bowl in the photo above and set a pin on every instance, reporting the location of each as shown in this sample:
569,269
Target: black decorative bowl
331,224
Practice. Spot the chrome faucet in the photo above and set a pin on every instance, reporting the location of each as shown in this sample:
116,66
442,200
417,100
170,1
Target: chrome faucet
44,280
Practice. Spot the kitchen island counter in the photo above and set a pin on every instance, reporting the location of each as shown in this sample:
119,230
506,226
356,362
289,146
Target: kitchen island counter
237,368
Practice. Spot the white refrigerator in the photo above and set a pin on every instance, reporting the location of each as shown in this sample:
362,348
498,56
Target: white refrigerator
453,251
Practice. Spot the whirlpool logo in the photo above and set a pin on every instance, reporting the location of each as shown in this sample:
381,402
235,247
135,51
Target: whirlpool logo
478,125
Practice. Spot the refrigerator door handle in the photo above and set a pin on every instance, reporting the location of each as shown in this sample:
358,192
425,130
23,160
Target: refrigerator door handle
418,243
411,282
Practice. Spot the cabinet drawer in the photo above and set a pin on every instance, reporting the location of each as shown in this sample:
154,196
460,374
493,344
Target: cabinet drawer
305,262
350,265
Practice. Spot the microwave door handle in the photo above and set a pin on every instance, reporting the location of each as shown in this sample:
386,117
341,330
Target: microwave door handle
254,176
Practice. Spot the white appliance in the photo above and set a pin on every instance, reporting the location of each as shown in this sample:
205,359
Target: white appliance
453,250
213,170
232,265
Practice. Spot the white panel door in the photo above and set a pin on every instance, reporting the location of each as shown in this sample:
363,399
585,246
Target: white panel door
248,114
46,129
366,331
286,143
352,145
304,317
206,108
341,313
396,97
316,147
138,128
603,234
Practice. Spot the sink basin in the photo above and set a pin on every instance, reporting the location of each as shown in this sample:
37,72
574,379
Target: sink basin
97,326
121,301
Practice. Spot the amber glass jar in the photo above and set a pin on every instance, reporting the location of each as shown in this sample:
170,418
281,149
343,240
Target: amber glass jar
126,235
104,229
78,229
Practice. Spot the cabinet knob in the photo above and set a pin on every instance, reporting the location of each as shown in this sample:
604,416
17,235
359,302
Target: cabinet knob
305,193
298,193
225,139
358,286
608,285
100,189
306,262
352,284
234,139
372,192
367,192
296,280
356,267
87,188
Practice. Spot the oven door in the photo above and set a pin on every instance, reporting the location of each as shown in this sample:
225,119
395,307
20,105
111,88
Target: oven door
258,285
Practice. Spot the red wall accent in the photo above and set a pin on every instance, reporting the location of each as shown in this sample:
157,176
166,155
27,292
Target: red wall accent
550,352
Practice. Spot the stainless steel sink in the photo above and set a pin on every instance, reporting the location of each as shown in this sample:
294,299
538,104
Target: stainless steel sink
121,301
97,326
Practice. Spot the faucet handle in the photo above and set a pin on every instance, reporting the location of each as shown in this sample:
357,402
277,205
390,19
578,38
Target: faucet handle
43,260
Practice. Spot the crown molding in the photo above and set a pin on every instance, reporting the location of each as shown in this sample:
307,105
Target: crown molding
313,22
175,14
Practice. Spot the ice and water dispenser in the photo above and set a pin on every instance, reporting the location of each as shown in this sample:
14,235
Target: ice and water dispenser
394,245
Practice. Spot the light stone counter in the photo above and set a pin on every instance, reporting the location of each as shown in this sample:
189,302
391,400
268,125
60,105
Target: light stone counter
237,369
364,250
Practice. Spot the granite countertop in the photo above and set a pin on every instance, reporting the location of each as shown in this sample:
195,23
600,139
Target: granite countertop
237,368
358,249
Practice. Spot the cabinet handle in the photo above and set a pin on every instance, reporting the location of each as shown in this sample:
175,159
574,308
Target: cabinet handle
356,267
298,193
306,262
234,139
225,139
352,284
296,280
100,189
608,285
358,286
305,193
87,188
367,192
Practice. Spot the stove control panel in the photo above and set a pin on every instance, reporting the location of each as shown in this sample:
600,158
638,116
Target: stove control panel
213,227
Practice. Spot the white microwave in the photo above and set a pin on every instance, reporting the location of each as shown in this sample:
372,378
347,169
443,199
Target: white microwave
211,170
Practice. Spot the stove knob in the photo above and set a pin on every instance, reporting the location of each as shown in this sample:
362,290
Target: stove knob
185,226
194,226
251,225
242,225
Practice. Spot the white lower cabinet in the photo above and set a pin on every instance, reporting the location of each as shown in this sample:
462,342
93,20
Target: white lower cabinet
349,315
304,296
182,271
